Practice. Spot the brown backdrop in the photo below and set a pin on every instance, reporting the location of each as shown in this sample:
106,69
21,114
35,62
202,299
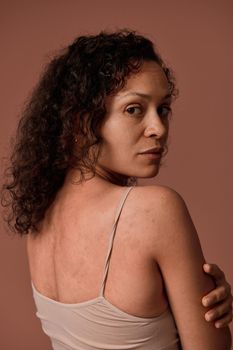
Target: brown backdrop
195,37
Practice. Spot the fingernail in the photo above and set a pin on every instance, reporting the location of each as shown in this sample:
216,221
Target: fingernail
206,302
208,317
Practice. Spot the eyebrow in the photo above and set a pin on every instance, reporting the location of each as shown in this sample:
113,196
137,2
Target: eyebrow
148,97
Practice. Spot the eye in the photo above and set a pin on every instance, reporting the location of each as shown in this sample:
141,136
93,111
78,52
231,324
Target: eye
164,111
131,110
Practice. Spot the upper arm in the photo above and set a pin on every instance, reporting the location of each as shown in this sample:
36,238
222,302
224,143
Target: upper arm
178,252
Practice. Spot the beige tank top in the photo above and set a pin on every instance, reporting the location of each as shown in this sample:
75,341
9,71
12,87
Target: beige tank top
97,324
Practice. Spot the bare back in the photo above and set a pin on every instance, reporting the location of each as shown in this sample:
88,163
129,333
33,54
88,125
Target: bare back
67,258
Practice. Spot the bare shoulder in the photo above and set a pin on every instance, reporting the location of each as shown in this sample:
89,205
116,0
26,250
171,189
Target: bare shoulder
158,192
154,207
171,219
157,200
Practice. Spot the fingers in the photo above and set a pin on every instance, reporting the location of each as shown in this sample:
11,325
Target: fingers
214,270
218,294
224,321
220,312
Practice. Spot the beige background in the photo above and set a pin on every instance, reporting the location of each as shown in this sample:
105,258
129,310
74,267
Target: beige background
195,38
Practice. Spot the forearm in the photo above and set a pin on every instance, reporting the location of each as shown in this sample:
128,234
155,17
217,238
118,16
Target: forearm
207,338
228,339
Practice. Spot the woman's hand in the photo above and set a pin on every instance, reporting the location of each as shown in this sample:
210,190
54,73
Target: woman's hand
220,298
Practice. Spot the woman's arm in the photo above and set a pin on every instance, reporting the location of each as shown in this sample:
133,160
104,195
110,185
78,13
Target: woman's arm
178,252
219,299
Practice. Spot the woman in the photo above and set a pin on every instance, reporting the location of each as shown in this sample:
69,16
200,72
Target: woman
113,265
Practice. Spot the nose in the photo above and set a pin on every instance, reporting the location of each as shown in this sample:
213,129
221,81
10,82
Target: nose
155,126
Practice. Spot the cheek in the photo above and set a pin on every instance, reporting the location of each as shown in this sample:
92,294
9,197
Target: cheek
124,142
120,138
116,134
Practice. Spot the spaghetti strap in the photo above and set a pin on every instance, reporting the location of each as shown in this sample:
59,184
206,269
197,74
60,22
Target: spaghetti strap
112,235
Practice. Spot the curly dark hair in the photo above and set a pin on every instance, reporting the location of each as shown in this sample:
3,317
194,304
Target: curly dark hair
68,105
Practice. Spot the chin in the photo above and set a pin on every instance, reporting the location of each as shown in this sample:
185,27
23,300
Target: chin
147,173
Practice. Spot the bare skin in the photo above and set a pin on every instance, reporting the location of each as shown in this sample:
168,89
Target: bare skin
66,260
43,252
219,300
68,245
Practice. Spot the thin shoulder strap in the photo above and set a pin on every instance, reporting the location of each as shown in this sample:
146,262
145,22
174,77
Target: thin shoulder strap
112,235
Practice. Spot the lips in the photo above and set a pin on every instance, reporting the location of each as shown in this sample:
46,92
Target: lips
153,151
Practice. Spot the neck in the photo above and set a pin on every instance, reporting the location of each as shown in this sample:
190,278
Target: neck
111,176
101,175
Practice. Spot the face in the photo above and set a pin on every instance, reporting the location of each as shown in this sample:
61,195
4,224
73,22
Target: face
137,119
